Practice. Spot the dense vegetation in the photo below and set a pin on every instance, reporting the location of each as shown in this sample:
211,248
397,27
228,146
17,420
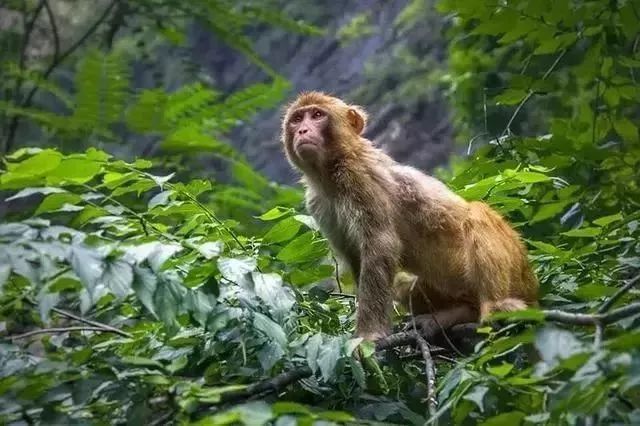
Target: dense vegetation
135,291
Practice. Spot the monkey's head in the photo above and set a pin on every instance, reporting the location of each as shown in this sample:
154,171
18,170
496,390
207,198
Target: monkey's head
317,129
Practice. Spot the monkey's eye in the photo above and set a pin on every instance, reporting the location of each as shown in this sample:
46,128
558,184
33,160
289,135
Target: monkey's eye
317,114
296,118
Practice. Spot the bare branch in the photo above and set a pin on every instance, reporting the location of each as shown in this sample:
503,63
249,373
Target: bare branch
623,290
56,330
54,29
530,93
430,368
102,326
593,319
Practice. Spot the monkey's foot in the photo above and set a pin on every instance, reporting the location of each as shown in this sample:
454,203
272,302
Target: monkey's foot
425,324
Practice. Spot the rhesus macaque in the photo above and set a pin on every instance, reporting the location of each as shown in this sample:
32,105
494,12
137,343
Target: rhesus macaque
383,217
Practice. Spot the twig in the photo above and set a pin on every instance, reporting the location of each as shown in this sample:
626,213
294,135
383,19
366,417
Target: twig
623,290
57,330
593,319
530,93
54,29
101,326
430,368
274,384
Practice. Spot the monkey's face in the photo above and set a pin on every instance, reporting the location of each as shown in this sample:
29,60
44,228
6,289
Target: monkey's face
308,135
318,129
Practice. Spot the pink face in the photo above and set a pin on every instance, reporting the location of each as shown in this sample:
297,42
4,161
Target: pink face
307,128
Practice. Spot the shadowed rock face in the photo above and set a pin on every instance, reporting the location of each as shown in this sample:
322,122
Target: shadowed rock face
415,131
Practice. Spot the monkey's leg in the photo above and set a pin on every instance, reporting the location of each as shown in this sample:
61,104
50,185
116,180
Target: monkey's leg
431,324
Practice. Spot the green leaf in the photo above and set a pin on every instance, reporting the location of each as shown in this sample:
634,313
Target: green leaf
329,354
38,165
235,269
145,285
118,277
270,329
275,213
142,362
302,249
477,396
626,129
56,201
211,249
588,232
76,170
505,419
274,294
283,231
606,220
510,97
555,344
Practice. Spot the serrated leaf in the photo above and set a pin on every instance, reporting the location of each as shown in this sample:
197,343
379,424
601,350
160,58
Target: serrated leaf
235,269
211,249
145,284
270,328
278,298
118,277
555,344
328,356
88,264
312,348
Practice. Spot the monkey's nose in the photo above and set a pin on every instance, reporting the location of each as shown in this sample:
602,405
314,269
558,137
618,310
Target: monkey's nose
302,131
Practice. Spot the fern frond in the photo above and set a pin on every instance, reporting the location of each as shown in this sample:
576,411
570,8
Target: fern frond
147,114
190,103
271,16
102,84
243,104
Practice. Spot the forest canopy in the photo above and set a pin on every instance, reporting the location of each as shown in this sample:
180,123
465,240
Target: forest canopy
150,273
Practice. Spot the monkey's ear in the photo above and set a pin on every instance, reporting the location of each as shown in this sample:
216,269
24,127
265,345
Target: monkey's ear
357,118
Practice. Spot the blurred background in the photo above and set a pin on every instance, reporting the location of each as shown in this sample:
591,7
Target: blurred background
99,73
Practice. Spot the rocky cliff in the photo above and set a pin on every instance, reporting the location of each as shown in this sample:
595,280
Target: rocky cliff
367,56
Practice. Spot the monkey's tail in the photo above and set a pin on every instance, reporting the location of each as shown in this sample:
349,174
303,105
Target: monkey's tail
509,304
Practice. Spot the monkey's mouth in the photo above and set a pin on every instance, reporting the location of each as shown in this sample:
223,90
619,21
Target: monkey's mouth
303,143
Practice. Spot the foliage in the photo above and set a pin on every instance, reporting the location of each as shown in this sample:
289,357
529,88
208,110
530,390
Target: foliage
132,294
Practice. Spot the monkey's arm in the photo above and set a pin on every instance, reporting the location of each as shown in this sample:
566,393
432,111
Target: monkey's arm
378,264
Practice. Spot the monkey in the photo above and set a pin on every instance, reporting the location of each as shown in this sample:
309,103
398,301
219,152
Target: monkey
383,218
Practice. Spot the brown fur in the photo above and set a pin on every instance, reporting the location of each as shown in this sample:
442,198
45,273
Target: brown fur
383,217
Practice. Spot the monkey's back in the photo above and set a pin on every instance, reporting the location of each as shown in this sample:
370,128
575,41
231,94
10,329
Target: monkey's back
461,252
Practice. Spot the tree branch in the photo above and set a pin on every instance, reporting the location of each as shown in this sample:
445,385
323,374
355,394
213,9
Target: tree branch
623,290
57,330
54,29
430,369
593,319
102,326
